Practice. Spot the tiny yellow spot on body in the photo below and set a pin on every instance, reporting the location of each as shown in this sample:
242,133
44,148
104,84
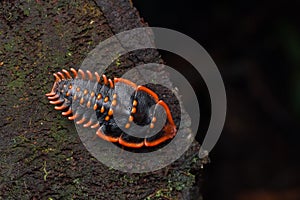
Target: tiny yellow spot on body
95,106
130,119
134,103
81,101
85,92
154,119
106,99
102,109
78,89
110,112
99,96
133,110
88,104
114,96
151,125
107,118
92,94
127,125
114,103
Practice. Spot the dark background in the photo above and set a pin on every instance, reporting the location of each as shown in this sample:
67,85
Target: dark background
257,49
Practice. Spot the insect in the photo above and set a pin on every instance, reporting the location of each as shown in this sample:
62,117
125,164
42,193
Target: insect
93,101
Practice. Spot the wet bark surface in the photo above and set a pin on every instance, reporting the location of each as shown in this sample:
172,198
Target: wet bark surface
42,156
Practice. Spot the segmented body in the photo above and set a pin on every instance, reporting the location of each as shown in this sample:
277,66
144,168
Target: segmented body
92,100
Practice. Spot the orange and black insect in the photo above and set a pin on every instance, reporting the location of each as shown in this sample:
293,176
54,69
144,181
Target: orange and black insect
82,95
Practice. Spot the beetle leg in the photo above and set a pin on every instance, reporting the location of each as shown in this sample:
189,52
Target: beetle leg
102,135
62,107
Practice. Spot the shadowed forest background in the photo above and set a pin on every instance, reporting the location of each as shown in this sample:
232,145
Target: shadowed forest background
257,49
